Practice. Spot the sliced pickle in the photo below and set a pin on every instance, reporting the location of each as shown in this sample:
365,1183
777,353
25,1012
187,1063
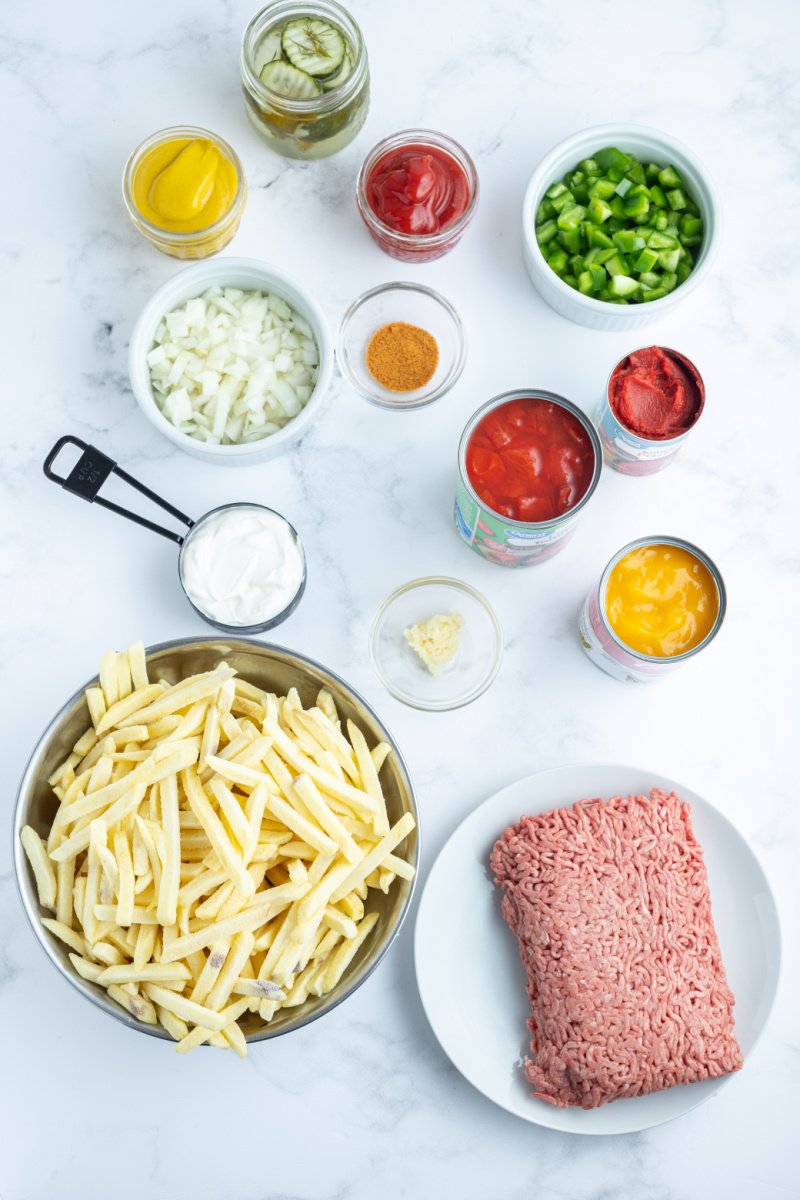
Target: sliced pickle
313,46
267,50
288,81
336,80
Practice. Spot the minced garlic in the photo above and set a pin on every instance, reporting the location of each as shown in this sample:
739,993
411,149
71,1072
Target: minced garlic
436,640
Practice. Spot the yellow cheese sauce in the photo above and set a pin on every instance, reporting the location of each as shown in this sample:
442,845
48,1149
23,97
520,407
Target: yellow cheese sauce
661,600
184,185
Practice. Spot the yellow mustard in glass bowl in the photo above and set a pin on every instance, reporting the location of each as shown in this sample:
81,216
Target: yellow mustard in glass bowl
661,600
185,190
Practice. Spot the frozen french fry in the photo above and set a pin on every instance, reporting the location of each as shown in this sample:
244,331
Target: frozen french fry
212,848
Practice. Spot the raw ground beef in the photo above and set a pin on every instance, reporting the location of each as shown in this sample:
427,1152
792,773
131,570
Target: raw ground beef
610,904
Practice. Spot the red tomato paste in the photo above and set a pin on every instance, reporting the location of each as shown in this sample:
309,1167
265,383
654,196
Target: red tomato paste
417,190
530,460
655,394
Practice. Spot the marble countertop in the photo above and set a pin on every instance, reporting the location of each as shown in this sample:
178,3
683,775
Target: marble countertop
365,1102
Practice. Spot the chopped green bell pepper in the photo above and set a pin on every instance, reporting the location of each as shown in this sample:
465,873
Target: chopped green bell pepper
546,232
669,259
628,240
616,265
601,188
561,201
646,261
669,178
622,286
611,157
571,216
635,172
601,239
636,206
599,211
653,293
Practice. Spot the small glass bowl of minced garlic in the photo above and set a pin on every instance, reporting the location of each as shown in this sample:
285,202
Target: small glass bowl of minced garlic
401,346
436,643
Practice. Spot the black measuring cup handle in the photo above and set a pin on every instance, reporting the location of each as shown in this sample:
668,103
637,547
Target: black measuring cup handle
90,473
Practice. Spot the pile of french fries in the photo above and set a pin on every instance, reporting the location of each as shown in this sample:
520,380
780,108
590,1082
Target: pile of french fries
212,849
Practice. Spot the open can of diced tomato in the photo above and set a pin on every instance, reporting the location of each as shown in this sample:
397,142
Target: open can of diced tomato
653,400
528,463
609,608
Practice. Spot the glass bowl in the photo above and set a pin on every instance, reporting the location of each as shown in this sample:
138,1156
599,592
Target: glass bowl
297,128
196,243
418,247
412,304
465,677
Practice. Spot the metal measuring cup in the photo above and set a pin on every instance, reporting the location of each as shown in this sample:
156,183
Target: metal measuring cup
87,478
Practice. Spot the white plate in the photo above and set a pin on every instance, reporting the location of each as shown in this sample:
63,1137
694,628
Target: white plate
472,982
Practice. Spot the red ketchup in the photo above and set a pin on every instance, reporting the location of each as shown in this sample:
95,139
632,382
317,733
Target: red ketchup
417,190
530,460
654,394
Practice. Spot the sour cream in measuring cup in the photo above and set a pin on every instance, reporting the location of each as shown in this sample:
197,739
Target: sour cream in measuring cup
243,568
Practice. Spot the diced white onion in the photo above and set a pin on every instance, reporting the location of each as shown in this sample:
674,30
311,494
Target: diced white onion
232,366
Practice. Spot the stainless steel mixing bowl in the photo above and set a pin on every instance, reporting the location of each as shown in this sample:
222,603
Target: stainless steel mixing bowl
274,669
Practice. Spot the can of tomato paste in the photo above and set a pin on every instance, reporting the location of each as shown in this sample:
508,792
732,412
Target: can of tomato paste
528,463
653,400
602,641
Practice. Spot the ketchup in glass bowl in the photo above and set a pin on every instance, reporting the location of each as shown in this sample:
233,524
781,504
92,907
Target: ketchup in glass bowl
417,192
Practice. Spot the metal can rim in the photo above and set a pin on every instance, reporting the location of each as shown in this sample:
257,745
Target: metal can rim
710,566
531,394
683,358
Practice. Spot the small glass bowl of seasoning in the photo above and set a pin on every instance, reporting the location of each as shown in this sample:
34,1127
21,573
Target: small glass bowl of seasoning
436,644
401,346
185,190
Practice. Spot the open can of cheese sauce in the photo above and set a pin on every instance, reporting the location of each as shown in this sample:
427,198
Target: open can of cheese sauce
498,538
608,652
630,453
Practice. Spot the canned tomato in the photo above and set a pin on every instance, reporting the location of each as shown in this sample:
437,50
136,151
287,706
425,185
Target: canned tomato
659,601
528,462
653,400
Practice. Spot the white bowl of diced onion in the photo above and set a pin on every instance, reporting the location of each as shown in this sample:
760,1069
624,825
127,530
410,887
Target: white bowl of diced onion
235,378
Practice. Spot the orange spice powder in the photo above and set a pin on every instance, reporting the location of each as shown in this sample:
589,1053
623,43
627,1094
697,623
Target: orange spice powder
402,357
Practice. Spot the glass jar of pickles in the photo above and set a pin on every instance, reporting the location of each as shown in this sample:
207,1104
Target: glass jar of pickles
305,77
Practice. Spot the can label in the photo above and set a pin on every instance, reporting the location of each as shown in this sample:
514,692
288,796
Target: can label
489,535
630,454
607,654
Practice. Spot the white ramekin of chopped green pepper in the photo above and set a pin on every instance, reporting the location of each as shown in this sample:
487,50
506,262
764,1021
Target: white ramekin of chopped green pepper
619,223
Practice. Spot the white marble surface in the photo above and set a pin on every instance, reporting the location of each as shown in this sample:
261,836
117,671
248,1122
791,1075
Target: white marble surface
364,1102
